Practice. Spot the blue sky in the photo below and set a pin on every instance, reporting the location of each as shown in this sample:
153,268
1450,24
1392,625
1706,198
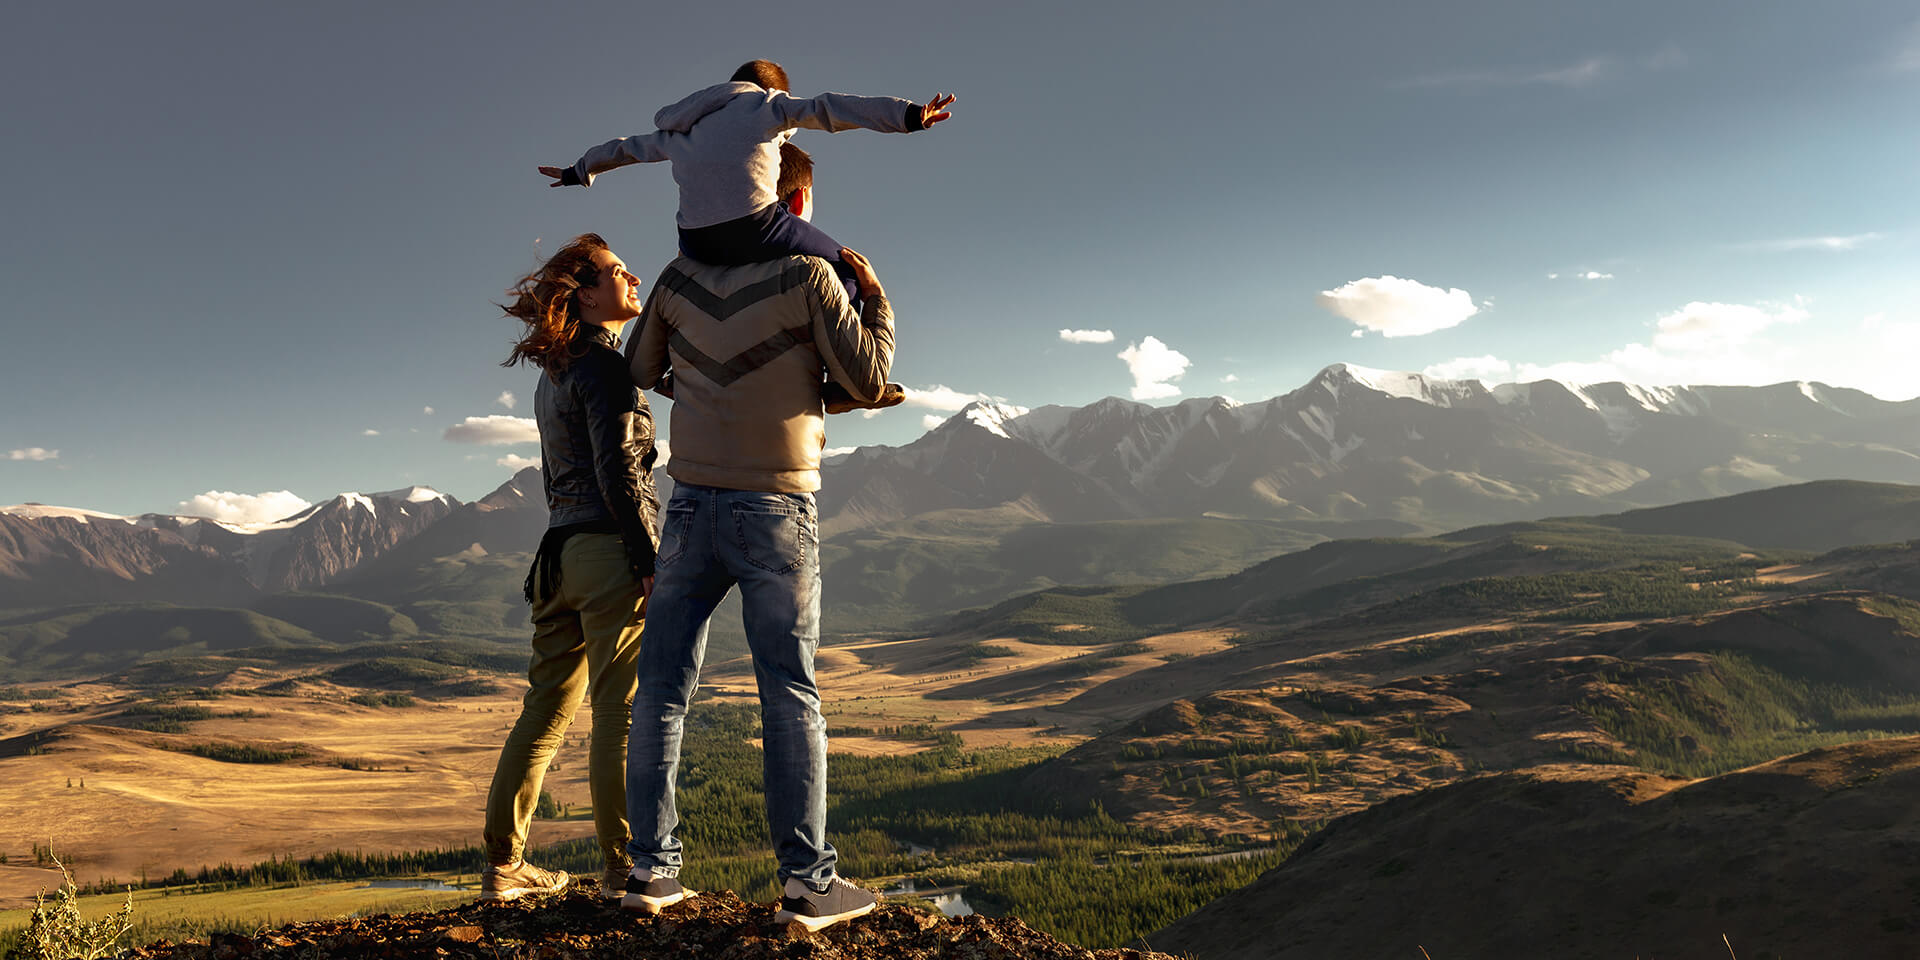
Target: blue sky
248,247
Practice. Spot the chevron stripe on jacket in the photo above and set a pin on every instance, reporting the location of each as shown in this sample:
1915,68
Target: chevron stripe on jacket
747,348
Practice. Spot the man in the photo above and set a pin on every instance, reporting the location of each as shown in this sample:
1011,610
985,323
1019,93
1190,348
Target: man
746,347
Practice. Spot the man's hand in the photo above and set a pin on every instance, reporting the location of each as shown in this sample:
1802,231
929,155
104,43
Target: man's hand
863,272
935,110
559,175
646,588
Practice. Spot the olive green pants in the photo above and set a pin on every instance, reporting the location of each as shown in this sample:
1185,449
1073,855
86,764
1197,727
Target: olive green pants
586,640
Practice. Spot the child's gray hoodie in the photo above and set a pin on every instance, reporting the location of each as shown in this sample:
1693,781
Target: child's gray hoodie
724,143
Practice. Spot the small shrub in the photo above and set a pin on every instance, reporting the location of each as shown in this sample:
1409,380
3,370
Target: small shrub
546,808
57,931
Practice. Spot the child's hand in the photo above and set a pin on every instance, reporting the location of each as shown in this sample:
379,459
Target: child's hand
936,110
559,175
863,272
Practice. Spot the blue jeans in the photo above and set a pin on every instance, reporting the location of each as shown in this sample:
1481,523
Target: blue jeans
769,544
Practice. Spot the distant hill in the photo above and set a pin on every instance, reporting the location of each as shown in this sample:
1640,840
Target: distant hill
1808,856
1352,574
1298,726
1817,516
100,638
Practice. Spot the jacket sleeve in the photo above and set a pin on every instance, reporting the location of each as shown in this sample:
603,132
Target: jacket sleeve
647,362
617,422
639,148
834,112
857,347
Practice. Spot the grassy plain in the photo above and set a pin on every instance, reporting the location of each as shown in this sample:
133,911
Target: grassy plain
1073,728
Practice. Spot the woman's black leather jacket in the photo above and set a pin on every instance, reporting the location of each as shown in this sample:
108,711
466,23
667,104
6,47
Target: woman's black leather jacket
596,447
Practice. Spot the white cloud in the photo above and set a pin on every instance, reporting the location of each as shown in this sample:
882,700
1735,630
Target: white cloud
494,429
33,453
932,420
369,432
837,451
244,507
1832,244
1087,336
1596,275
1698,325
1230,378
1489,368
938,397
505,399
1397,307
1553,276
427,410
517,463
1154,366
1706,343
661,451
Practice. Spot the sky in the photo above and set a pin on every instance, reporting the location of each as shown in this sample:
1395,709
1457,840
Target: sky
251,251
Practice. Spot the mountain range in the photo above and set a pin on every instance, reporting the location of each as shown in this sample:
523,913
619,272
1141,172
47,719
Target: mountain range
1001,500
1361,444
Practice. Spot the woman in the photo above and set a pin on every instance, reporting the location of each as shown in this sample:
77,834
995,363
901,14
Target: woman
594,568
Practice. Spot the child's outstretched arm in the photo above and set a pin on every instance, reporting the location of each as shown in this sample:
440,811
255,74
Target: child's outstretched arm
640,148
834,112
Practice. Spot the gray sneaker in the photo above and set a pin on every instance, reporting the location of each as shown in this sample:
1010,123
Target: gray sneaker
649,894
817,910
510,880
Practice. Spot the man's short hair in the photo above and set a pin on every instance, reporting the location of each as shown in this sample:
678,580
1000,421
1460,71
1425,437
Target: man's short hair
796,171
766,73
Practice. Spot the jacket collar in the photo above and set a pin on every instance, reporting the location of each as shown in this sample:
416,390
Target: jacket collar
600,336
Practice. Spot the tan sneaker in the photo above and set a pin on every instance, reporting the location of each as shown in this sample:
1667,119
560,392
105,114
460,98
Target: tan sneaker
507,881
613,882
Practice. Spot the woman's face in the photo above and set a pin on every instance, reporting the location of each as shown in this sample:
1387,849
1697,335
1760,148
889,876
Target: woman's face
616,298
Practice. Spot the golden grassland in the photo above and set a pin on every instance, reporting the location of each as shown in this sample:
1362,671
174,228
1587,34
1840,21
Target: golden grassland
123,804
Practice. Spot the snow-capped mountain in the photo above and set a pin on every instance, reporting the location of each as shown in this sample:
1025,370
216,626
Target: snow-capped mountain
69,554
1393,450
1355,443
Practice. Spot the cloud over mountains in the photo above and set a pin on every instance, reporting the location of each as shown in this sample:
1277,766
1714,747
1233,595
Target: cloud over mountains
1397,307
495,429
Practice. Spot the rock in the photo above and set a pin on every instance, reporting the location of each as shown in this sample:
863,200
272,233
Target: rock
465,934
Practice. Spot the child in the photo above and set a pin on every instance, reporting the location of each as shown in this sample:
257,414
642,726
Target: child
724,143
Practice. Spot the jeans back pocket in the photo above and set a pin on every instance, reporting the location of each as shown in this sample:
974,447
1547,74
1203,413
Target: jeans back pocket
676,529
774,534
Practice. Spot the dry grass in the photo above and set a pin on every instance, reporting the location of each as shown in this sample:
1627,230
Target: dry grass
148,810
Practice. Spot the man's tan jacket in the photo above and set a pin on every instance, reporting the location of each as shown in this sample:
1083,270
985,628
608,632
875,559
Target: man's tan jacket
747,347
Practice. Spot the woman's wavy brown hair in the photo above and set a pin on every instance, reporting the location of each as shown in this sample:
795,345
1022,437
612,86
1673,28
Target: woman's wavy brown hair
545,301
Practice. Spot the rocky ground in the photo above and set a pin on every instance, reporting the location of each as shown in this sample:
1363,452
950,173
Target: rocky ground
578,924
